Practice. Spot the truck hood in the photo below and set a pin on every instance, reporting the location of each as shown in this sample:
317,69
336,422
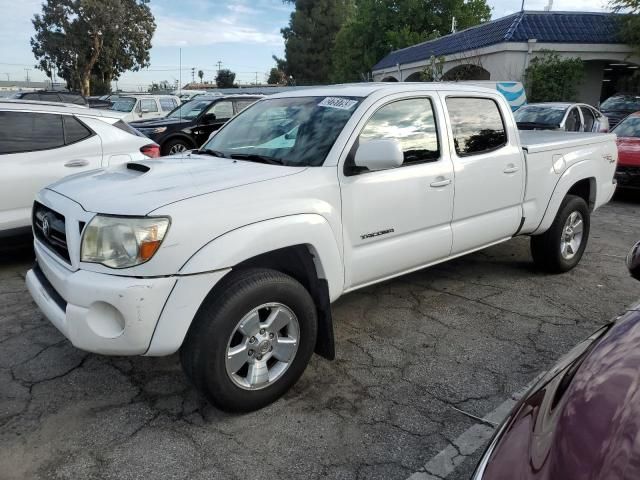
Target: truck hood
138,188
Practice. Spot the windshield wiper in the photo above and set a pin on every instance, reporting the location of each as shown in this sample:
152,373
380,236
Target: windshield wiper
254,157
208,151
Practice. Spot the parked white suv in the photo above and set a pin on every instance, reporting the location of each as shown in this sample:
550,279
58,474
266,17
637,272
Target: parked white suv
234,253
42,142
142,107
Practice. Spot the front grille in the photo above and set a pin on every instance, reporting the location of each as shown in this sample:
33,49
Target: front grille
49,228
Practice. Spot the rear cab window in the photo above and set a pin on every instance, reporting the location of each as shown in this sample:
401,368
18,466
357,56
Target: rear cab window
148,105
477,125
167,104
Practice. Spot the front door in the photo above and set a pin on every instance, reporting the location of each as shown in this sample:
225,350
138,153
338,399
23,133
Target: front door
212,119
489,171
398,219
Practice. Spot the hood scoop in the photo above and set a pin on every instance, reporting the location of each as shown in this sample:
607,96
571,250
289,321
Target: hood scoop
138,167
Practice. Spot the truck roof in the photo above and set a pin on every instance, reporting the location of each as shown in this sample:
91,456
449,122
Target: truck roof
366,89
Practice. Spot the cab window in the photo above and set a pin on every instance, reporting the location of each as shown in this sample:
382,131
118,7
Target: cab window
222,110
412,123
148,105
476,124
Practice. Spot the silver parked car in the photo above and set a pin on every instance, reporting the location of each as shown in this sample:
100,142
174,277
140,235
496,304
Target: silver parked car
570,117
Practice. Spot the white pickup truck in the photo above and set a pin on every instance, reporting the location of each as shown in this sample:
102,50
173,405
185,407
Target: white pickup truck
232,254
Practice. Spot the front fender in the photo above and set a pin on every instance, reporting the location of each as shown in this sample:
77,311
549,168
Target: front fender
572,175
236,246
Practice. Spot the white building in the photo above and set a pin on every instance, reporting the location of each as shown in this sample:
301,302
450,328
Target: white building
502,49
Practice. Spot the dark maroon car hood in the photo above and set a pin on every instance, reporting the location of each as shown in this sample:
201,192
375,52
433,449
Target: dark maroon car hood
583,423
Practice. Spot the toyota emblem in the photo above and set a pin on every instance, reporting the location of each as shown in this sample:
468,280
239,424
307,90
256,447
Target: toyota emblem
46,227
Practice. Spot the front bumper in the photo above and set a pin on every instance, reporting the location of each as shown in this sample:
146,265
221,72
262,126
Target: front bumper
628,177
100,313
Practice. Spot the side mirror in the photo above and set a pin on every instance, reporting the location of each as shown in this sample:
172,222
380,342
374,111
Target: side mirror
633,261
380,154
209,118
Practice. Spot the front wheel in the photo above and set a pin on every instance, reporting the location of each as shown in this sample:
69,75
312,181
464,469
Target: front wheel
175,146
560,248
251,339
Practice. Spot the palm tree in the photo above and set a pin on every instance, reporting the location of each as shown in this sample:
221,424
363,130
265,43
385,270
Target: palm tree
200,74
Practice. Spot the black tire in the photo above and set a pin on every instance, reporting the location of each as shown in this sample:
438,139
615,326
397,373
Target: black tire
546,248
174,142
203,352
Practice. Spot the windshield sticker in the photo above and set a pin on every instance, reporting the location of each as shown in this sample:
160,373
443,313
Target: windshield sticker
337,102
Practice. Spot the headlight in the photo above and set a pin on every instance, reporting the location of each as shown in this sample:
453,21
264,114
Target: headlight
121,242
159,130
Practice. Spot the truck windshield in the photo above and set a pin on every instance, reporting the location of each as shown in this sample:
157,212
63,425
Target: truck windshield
189,110
629,127
123,104
544,115
296,131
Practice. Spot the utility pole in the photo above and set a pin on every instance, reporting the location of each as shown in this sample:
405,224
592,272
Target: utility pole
219,63
193,74
180,75
257,79
27,70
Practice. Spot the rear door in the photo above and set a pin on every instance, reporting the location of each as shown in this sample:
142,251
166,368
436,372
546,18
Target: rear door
488,170
37,149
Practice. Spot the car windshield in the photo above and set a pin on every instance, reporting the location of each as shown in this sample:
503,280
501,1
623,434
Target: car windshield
123,104
296,131
540,114
190,109
629,127
621,102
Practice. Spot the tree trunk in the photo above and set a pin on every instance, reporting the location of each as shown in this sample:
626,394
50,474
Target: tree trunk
85,84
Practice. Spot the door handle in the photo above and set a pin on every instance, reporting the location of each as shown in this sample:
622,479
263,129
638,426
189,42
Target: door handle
77,163
441,183
511,168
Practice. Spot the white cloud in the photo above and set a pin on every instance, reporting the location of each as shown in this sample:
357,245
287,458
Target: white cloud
182,32
506,7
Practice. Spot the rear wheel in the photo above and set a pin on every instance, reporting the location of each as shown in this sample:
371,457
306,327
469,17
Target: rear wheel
560,248
251,339
174,146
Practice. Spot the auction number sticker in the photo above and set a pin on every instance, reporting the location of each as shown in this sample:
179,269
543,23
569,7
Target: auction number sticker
337,102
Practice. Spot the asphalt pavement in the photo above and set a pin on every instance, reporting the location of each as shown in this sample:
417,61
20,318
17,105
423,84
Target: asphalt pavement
417,358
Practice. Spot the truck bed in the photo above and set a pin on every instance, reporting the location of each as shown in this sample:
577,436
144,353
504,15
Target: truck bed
534,141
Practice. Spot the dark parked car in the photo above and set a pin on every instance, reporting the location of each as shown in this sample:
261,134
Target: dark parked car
619,106
582,419
63,97
189,125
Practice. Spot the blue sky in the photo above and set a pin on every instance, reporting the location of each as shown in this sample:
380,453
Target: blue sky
242,34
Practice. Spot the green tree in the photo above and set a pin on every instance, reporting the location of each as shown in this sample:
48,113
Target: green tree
629,22
549,78
433,71
309,39
276,77
225,78
200,75
85,39
374,28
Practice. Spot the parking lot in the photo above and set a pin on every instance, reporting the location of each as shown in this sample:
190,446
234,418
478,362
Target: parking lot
418,357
